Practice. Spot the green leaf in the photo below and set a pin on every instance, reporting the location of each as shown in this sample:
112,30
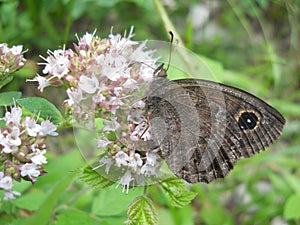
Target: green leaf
142,211
2,123
44,214
6,80
292,181
99,123
177,192
94,179
42,106
215,215
112,201
176,215
292,207
25,201
8,98
67,217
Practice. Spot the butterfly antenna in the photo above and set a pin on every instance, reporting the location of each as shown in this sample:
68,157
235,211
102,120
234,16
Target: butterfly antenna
160,71
171,45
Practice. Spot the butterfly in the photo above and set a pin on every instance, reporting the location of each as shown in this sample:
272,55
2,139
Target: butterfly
202,128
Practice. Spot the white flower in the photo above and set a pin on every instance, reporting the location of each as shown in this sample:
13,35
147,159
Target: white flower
2,138
107,162
120,43
31,127
43,82
13,117
146,73
135,161
151,167
141,55
141,131
7,148
13,137
107,70
140,104
37,156
12,140
148,170
6,183
99,98
57,63
121,159
102,142
4,48
118,91
75,96
16,50
125,181
88,85
136,116
111,125
11,195
30,170
114,103
130,84
111,73
87,38
47,128
115,59
152,158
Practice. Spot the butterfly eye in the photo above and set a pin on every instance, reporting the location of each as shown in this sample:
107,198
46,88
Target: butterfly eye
248,120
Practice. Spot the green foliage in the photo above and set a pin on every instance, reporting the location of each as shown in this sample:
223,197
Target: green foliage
6,80
142,211
42,107
67,217
94,179
177,192
292,207
25,202
9,98
106,205
44,213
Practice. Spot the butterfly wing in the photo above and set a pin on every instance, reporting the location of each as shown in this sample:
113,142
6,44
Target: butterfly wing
203,128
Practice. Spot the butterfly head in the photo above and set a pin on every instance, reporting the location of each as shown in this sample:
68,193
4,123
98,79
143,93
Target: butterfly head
160,71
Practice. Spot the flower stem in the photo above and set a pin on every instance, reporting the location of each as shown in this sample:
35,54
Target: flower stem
145,189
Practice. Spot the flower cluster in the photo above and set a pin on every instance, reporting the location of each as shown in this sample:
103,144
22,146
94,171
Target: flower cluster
22,149
11,59
107,79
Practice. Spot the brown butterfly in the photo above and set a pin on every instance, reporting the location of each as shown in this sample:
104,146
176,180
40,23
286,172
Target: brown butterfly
203,128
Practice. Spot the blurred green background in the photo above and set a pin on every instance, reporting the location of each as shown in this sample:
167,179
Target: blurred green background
253,45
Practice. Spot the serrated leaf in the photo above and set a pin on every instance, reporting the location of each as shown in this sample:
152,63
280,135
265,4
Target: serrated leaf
42,106
94,179
177,192
292,207
142,211
8,98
